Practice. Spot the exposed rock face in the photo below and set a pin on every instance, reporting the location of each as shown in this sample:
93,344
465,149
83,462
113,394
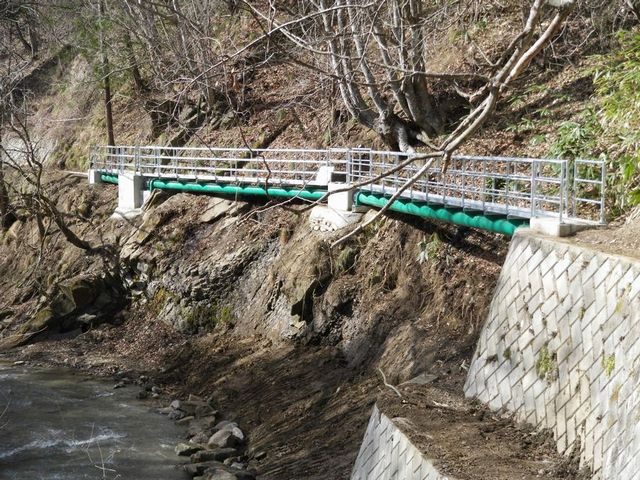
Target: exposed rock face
80,302
204,263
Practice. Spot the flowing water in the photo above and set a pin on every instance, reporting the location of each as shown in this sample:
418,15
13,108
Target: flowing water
58,425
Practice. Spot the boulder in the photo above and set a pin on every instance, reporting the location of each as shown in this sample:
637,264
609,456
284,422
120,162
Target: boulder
220,474
195,469
218,454
187,449
226,438
199,425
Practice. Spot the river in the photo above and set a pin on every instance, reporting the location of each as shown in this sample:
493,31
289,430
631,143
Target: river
58,425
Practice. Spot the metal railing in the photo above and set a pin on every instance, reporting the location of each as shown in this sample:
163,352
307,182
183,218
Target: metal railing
225,165
502,186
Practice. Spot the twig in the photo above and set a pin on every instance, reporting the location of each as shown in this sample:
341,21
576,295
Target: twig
384,380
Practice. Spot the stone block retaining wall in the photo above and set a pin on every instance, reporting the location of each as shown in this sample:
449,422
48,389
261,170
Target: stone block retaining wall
387,454
561,349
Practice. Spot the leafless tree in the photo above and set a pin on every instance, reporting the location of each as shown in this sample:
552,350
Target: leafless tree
378,53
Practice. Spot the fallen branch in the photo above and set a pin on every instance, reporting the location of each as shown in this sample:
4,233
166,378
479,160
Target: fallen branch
384,380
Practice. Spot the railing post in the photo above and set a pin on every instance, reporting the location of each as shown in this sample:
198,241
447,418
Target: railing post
349,165
603,183
563,182
464,179
136,159
576,178
534,186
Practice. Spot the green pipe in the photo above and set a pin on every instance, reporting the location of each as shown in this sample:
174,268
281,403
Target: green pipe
109,178
451,215
236,189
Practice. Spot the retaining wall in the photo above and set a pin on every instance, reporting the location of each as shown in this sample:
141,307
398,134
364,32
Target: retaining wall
387,454
561,349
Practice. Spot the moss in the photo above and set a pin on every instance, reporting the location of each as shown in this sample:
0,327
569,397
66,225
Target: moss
346,258
160,300
507,353
209,316
546,366
609,364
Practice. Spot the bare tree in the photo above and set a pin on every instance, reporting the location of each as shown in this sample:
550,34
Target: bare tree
106,76
378,53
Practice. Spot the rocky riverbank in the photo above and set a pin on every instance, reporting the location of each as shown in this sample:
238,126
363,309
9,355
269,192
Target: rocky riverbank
217,449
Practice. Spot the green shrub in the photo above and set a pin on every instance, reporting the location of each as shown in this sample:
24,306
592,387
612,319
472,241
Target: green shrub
617,82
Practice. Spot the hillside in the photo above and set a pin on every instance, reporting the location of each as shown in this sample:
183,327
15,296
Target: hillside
240,301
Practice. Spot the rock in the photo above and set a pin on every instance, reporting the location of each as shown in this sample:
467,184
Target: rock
187,449
219,207
142,395
228,473
196,408
201,437
226,438
238,465
218,454
176,405
225,425
176,415
220,474
204,411
203,424
215,470
200,468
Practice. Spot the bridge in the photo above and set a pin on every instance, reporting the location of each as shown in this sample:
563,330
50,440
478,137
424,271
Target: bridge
498,194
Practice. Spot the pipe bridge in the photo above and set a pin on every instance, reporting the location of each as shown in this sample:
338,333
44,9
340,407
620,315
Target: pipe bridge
498,194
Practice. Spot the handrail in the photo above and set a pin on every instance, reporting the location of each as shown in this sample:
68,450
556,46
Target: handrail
508,186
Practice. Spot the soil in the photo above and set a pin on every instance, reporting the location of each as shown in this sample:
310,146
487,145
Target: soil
621,237
465,440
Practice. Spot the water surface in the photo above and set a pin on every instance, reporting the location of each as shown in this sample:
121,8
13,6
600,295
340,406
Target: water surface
56,425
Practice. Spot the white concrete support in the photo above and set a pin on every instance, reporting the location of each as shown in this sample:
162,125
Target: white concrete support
130,194
328,219
342,201
95,177
323,177
553,227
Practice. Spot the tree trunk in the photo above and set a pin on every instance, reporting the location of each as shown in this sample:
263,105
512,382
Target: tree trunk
138,82
107,80
7,217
